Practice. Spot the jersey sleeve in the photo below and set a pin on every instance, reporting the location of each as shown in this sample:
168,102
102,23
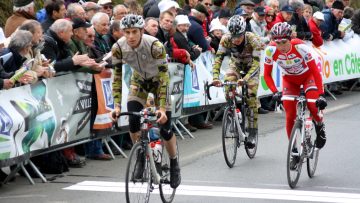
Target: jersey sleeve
158,52
117,63
219,57
268,66
309,59
257,46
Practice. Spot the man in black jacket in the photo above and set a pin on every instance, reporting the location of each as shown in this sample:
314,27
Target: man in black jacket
196,32
55,48
55,9
165,26
298,20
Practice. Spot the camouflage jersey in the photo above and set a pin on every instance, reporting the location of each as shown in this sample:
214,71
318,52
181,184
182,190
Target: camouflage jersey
149,63
245,57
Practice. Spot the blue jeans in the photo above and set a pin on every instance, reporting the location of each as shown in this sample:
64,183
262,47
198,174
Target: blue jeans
94,148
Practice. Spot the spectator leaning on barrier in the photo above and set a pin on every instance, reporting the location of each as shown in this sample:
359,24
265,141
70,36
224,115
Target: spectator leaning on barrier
196,32
216,32
314,25
55,48
119,12
302,29
345,24
23,10
285,15
258,24
90,43
55,9
106,7
101,25
75,10
5,83
180,41
90,9
270,17
356,21
166,26
308,12
332,17
19,46
151,26
40,65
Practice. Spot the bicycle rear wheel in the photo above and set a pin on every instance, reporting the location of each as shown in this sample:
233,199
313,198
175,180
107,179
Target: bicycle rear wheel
137,189
167,193
247,114
230,137
295,150
313,153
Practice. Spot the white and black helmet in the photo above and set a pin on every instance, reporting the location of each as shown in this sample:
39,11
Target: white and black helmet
281,31
236,25
132,21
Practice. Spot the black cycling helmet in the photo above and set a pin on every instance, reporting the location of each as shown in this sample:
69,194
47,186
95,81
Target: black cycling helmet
236,25
132,21
281,31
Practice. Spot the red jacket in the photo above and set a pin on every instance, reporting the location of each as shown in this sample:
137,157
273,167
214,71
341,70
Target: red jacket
178,54
279,18
317,40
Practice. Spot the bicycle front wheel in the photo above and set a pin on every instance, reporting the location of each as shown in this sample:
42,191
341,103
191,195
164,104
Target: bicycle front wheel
313,154
230,137
138,175
167,193
247,116
294,155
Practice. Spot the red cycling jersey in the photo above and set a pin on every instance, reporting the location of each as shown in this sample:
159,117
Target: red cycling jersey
297,65
299,68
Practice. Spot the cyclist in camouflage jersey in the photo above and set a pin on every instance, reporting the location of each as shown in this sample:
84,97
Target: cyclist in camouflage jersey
245,48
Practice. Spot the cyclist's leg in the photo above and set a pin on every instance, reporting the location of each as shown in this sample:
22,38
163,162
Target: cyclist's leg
253,84
290,89
231,75
136,102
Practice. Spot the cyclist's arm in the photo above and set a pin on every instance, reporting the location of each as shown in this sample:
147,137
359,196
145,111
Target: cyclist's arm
268,66
158,52
117,84
219,57
257,46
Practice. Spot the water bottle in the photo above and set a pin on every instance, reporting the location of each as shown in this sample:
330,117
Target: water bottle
238,113
154,134
157,150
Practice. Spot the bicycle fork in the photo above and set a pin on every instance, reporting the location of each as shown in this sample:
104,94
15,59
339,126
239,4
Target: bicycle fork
238,125
154,173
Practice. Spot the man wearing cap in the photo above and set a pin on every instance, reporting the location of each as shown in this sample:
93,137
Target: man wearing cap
246,10
106,7
23,10
298,20
159,7
314,25
90,9
196,32
332,18
55,9
285,14
258,24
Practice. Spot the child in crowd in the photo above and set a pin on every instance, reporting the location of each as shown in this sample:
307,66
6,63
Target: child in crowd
308,12
216,32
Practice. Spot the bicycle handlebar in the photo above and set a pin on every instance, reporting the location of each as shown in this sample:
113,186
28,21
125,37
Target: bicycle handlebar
227,83
295,98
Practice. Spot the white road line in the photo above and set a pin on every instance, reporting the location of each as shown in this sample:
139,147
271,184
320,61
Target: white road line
234,192
337,108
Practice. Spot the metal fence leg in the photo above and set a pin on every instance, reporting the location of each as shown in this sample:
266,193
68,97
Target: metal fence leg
354,85
27,174
12,174
117,147
108,148
177,130
218,113
208,116
331,94
184,128
37,171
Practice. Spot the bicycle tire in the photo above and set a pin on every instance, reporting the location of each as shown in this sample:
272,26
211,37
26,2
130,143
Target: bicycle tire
229,149
167,193
295,141
135,190
246,112
311,162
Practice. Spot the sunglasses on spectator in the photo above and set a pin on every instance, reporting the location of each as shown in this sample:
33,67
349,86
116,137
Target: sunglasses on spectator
208,4
268,15
107,7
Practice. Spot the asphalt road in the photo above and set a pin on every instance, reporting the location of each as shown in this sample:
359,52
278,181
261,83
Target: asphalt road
206,177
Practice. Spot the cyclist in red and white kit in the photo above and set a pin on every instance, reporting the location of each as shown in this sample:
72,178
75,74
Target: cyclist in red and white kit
299,68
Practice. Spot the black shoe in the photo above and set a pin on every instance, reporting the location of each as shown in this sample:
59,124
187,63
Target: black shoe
262,111
190,127
139,165
250,142
295,158
320,135
175,176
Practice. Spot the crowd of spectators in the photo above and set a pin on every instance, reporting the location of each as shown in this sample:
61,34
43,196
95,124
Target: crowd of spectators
76,35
